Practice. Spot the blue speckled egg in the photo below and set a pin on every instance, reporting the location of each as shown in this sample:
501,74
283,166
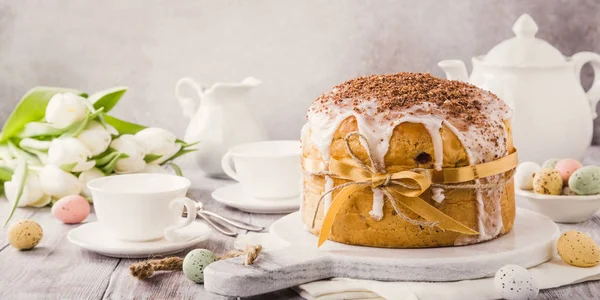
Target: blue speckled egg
195,262
514,282
585,181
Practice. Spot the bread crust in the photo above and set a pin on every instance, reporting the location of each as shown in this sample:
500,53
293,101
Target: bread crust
354,224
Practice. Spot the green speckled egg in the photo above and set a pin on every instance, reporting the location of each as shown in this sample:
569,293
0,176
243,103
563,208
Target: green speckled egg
585,181
550,164
547,182
195,262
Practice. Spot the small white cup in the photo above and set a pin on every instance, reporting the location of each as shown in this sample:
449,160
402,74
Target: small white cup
142,207
266,170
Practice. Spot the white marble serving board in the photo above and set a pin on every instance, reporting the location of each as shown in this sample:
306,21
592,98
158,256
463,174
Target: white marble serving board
530,243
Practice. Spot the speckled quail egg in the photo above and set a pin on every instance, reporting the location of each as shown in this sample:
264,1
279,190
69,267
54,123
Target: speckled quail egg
514,282
550,163
568,192
578,249
547,182
25,234
585,180
195,262
524,175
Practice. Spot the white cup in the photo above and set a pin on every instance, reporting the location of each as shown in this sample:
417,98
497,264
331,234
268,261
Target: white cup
142,207
266,170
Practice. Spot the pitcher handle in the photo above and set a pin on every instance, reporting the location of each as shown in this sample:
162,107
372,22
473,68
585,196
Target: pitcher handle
188,105
593,94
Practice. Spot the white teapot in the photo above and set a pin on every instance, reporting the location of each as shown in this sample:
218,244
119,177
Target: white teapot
219,121
553,115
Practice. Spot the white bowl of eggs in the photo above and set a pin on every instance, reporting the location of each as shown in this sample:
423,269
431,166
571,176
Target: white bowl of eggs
561,189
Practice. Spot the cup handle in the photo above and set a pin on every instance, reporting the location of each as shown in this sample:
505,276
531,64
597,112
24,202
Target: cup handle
170,232
227,165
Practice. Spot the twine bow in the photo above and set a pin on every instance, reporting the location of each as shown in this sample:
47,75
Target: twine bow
401,186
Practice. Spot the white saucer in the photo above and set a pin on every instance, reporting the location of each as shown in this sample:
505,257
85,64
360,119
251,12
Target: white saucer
233,195
91,236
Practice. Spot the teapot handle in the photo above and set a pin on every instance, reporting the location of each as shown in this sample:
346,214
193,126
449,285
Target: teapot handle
593,94
188,105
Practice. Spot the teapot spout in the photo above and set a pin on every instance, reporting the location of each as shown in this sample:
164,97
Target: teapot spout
455,69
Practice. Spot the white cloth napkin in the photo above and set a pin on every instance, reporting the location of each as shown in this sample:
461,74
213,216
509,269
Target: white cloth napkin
554,273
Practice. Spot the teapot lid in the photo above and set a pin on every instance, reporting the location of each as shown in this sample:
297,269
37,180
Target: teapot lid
525,50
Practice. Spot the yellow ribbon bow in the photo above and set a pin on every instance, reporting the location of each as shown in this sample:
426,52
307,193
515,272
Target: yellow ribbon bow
403,187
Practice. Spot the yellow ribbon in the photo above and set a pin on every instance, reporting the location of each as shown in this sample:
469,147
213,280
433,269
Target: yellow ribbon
404,187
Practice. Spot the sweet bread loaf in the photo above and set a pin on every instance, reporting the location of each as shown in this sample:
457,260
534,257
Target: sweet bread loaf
411,121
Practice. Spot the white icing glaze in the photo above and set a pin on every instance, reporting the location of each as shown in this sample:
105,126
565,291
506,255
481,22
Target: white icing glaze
377,211
378,126
437,194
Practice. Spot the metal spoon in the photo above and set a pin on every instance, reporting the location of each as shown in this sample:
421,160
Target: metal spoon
239,224
218,226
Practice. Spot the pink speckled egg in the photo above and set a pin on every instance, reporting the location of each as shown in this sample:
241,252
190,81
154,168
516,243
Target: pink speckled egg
566,167
71,209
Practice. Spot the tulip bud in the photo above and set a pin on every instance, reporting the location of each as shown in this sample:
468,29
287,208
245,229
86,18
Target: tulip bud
59,183
30,143
95,137
65,109
87,176
32,191
129,145
158,141
70,151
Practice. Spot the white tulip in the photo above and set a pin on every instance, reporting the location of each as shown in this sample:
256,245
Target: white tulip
34,144
95,137
59,183
136,151
69,151
153,168
87,176
158,141
66,109
32,191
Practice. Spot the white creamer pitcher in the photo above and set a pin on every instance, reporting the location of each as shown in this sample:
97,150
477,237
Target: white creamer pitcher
218,121
553,115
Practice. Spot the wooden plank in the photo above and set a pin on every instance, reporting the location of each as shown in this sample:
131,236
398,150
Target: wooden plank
55,268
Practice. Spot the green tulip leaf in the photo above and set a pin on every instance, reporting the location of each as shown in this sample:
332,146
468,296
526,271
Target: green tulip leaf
68,167
175,168
32,107
6,173
22,168
186,145
178,154
151,157
123,127
110,167
107,99
104,160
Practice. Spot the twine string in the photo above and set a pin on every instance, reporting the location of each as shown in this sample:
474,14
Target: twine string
144,269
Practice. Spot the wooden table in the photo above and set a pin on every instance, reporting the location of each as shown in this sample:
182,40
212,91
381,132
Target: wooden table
57,269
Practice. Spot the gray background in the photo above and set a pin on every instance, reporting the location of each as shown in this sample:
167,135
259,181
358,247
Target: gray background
298,48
